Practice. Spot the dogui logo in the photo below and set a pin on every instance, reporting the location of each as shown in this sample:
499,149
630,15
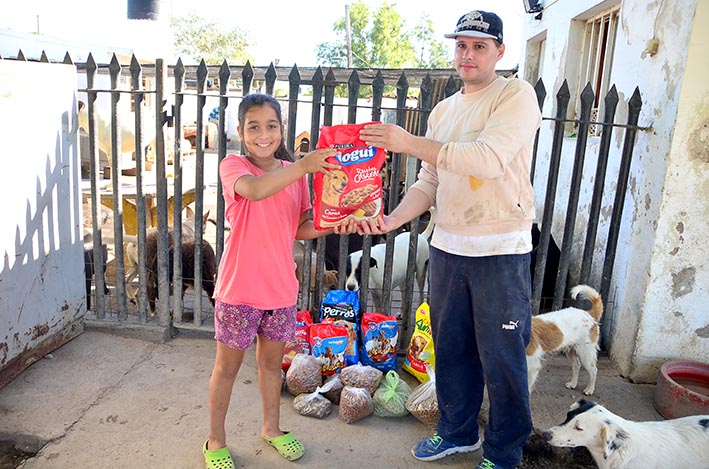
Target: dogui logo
356,155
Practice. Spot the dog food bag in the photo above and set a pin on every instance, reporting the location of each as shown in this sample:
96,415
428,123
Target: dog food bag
380,334
300,343
355,404
341,307
304,374
328,343
314,404
420,354
333,395
390,398
355,189
361,376
423,402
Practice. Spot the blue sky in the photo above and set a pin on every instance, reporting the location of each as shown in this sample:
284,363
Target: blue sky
283,30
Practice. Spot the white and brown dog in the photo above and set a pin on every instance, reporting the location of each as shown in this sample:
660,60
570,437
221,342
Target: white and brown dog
399,265
571,330
616,443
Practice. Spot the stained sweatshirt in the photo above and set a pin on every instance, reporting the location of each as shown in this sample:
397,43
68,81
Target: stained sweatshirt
480,185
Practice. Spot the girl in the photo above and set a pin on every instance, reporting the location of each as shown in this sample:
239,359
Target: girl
267,202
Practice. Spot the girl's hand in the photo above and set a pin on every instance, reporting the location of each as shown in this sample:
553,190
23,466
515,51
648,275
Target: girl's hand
314,162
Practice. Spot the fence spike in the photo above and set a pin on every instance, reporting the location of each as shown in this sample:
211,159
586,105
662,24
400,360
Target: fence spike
21,56
134,67
271,76
247,76
541,92
44,57
202,74
353,85
451,87
67,59
224,75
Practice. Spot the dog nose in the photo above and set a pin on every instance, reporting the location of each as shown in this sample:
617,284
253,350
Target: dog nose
351,287
547,435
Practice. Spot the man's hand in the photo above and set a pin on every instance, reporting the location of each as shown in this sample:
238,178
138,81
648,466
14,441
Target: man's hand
388,136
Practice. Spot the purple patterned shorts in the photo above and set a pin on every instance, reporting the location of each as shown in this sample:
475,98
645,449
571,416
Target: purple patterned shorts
237,326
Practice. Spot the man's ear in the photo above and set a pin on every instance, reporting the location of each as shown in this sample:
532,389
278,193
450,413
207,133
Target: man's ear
612,439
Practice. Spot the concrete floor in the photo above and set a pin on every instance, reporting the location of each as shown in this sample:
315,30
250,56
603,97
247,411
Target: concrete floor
103,400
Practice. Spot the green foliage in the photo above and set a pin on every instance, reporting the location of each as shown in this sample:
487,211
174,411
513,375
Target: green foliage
430,53
383,40
200,38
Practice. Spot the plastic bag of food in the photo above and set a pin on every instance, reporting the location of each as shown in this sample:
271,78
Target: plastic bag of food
304,374
314,404
390,398
355,404
420,354
333,394
423,402
361,376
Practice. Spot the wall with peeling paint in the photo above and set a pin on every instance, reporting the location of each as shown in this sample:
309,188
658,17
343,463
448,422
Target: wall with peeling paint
657,309
41,275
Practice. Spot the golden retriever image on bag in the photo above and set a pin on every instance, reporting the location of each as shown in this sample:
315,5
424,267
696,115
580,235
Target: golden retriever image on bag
334,186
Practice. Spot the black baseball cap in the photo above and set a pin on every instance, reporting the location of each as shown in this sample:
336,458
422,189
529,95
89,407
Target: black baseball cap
478,23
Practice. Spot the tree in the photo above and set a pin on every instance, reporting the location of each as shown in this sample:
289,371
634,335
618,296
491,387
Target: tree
430,52
200,38
385,42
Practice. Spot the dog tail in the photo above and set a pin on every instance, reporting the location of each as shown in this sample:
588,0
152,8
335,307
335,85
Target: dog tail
593,296
429,228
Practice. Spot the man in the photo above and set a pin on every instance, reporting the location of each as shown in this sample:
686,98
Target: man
476,161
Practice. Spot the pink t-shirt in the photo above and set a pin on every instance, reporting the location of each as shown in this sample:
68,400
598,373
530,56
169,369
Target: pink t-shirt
257,266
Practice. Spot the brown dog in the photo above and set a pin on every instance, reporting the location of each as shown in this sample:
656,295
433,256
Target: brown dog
334,185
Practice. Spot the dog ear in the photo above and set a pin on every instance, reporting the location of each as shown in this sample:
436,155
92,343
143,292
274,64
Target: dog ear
372,262
612,439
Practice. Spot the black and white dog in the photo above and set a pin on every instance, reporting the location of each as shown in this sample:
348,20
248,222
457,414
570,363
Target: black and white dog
616,443
399,263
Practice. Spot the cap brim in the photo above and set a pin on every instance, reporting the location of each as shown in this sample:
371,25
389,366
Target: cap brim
469,34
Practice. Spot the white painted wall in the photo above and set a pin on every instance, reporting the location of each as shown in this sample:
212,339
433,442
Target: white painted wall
42,272
658,298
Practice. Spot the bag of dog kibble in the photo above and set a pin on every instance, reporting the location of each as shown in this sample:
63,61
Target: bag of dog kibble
390,398
304,375
300,343
355,189
423,402
355,404
341,307
420,354
329,343
314,404
380,334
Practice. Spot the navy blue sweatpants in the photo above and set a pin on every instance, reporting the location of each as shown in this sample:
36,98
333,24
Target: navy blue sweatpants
481,323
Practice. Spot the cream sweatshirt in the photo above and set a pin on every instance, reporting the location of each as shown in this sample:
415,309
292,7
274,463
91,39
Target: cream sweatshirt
480,185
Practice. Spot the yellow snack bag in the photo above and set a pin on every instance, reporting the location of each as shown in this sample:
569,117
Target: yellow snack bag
420,353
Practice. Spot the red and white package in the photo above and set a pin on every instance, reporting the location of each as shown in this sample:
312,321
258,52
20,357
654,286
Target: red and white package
353,190
300,343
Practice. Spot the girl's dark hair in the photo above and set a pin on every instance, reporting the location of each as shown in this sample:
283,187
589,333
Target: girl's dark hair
257,99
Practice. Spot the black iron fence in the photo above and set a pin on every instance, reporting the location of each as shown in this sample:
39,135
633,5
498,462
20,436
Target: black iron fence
318,88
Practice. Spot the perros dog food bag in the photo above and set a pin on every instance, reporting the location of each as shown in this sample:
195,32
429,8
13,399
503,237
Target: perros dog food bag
355,189
341,307
420,354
